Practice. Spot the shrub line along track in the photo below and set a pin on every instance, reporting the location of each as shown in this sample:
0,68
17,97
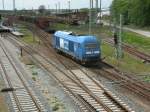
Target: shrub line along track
22,96
92,93
131,50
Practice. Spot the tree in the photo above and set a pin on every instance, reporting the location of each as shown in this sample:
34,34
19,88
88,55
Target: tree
42,9
120,7
134,11
140,13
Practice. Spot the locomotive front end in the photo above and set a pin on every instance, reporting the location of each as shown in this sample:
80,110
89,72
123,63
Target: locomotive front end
91,50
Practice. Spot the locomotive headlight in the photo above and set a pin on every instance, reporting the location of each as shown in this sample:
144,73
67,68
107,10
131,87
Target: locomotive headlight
96,52
88,52
92,52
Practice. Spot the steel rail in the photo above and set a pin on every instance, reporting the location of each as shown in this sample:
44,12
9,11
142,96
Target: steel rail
19,75
29,50
81,81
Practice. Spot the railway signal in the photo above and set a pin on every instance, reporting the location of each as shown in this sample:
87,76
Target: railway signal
118,38
21,51
115,38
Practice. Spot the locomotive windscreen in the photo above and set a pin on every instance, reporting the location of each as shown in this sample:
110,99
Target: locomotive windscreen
90,45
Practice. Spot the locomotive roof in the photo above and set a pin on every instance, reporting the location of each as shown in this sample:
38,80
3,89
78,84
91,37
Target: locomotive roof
76,38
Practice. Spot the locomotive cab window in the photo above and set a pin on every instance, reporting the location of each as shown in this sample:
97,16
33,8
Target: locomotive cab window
90,45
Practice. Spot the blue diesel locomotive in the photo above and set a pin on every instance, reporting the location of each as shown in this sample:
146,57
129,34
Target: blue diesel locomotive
83,48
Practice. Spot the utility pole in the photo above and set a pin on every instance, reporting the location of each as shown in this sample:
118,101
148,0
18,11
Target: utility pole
48,7
59,7
92,4
49,11
56,8
14,7
96,11
120,38
90,16
115,31
3,4
69,5
96,4
100,11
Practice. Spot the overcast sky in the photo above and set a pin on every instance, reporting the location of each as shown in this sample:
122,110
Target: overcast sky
29,4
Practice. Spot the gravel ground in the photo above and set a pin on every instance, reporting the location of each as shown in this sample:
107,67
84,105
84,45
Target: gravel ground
52,91
56,97
3,97
15,52
138,104
48,91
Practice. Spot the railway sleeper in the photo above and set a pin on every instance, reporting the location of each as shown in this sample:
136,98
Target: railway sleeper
7,89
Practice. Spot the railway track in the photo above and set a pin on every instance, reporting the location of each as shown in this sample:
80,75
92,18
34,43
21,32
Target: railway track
22,96
132,51
85,107
88,92
127,81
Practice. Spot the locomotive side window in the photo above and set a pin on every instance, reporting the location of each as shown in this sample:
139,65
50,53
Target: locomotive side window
90,45
79,45
75,46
